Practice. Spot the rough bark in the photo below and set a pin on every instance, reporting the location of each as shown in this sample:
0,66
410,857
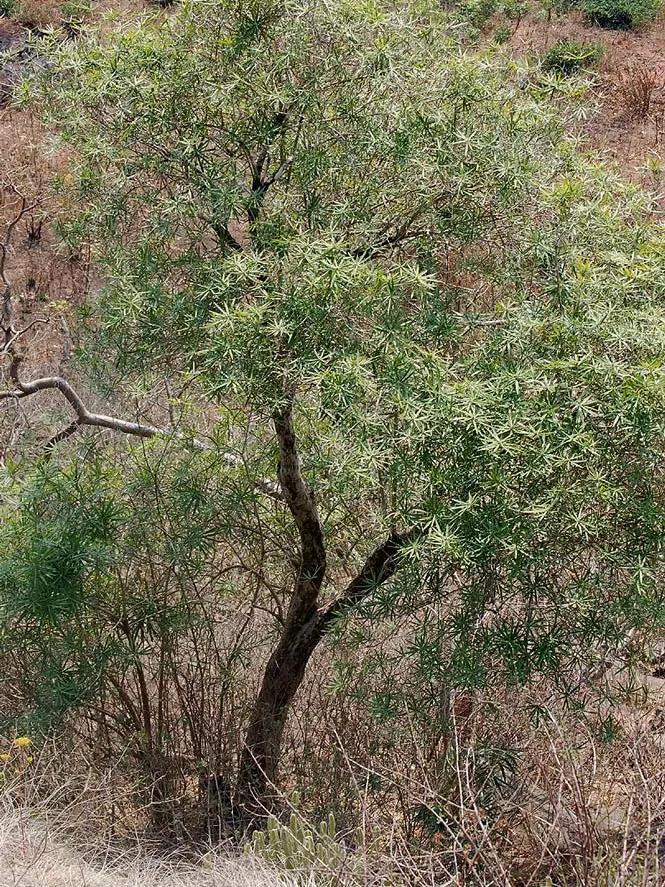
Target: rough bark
286,666
305,626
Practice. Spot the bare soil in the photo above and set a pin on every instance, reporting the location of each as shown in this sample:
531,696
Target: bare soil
628,122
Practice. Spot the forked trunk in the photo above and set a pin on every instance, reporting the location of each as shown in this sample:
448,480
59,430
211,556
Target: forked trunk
304,627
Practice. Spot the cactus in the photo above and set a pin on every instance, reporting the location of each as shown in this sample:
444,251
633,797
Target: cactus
299,849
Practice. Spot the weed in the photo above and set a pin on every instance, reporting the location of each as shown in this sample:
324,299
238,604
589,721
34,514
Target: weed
74,13
568,56
636,86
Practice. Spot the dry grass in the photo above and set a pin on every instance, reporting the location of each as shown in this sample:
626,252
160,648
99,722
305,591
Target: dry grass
636,88
36,853
580,813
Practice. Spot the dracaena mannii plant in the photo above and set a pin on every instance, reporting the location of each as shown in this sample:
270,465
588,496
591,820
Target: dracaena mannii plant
433,336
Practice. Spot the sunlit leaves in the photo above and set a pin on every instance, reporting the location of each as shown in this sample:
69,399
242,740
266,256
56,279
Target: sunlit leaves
334,199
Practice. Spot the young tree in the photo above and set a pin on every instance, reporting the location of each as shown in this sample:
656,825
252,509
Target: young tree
368,252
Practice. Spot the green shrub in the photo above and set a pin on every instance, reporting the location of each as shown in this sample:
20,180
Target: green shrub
621,15
567,56
503,35
477,12
6,7
75,11
560,7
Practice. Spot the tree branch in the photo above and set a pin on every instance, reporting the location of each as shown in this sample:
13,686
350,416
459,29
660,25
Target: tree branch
99,420
260,185
83,415
380,566
224,236
8,327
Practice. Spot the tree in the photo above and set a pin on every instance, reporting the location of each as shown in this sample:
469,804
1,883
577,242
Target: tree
371,256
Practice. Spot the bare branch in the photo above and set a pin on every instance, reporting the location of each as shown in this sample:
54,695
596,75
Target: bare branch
98,420
67,337
224,236
260,185
69,431
9,229
8,327
279,172
84,416
7,347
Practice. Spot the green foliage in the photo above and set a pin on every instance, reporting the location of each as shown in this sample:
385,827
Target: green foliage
7,7
560,7
333,200
101,570
74,12
478,12
621,14
503,35
568,56
57,547
296,848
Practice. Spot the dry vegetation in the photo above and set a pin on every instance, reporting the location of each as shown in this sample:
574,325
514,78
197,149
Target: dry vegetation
36,851
576,810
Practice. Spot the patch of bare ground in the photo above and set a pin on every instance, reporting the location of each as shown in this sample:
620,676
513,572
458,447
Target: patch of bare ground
40,13
628,123
52,13
45,278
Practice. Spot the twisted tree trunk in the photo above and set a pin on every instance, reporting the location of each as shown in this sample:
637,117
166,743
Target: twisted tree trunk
304,627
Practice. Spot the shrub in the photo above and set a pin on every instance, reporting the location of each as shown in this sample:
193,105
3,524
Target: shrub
6,7
568,56
503,35
621,15
74,13
477,12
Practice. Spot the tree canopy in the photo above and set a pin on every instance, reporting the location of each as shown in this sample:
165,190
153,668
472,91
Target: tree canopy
426,336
